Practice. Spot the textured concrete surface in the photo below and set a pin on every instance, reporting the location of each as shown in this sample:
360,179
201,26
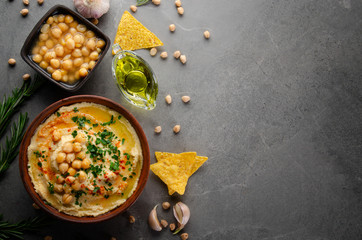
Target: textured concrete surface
275,104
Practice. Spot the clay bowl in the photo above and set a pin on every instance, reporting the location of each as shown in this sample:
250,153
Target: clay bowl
23,159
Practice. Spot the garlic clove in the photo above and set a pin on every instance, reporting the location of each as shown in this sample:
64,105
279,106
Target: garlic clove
153,220
182,214
92,8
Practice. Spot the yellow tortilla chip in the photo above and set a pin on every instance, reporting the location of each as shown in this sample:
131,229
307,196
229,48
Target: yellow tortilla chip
132,35
199,161
175,171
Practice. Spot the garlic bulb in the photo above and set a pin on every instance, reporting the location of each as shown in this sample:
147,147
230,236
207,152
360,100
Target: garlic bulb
182,214
92,8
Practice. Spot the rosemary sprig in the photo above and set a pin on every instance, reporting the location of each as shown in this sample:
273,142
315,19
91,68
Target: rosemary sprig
11,104
141,2
8,230
9,152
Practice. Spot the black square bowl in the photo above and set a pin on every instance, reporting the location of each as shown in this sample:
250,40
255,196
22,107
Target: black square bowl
33,37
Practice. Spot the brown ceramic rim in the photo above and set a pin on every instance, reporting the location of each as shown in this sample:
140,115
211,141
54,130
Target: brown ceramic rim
28,44
23,158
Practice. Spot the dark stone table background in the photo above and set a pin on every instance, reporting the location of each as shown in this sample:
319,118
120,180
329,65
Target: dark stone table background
275,105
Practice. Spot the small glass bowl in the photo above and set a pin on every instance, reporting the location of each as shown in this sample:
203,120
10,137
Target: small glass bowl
144,97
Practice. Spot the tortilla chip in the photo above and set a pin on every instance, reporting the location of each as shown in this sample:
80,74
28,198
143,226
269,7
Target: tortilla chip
175,171
132,35
198,162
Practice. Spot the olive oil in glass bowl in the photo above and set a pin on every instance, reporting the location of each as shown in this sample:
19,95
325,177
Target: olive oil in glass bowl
135,78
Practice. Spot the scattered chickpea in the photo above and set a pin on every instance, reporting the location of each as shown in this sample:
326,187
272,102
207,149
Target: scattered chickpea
80,155
82,176
68,147
70,157
86,163
166,205
156,2
133,8
153,51
83,72
12,61
180,10
57,75
172,226
60,179
178,3
77,147
67,198
176,129
76,185
35,206
177,54
183,59
95,21
207,34
164,55
24,12
26,2
77,164
40,2
61,157
26,77
172,27
48,238
72,171
184,236
63,167
185,99
58,187
70,179
168,99
164,223
131,219
37,58
158,129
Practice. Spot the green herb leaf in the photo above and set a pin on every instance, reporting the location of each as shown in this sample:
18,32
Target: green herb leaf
51,188
58,114
11,104
10,151
75,109
16,230
74,133
142,2
109,122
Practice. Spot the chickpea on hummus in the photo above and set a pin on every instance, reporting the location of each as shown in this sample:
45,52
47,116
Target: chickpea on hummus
85,160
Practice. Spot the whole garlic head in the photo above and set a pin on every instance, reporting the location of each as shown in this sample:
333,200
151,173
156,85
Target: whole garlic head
92,8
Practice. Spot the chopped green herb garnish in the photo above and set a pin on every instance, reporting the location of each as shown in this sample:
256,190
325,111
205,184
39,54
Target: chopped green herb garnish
124,178
58,114
123,140
95,125
128,156
78,194
40,164
51,188
109,122
114,166
74,133
119,117
37,154
75,109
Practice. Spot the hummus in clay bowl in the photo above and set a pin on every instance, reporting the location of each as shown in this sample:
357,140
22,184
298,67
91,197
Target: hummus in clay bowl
85,160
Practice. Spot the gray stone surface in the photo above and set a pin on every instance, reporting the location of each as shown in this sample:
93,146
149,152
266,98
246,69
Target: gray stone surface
275,104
